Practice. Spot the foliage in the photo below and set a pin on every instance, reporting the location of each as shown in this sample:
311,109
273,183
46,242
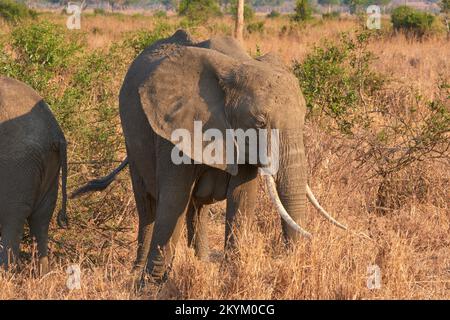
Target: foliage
273,14
160,14
328,2
412,21
199,10
43,44
303,11
141,39
381,126
335,78
76,85
445,6
13,11
331,15
100,12
255,27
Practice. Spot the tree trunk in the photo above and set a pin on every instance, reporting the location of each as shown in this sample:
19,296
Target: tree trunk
239,30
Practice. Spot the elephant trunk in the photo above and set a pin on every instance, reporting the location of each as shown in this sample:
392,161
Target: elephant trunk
291,179
290,190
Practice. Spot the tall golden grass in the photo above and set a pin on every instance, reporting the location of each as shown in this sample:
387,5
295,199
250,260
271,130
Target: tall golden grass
409,243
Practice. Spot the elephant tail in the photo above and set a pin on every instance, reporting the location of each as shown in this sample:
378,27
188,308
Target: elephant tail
63,221
100,184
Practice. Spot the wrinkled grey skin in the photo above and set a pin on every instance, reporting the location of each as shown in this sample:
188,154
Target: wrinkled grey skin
168,86
32,152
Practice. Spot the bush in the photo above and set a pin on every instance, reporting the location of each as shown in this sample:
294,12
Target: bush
331,15
303,11
388,131
336,77
255,27
199,11
273,14
43,44
13,11
160,14
100,12
141,39
412,21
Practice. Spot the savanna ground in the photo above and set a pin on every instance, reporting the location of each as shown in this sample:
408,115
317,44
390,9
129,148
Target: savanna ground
386,174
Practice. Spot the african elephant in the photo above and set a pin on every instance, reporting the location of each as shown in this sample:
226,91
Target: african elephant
175,82
32,153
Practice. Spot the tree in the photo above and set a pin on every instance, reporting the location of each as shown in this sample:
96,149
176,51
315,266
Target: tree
329,3
199,10
356,5
445,6
445,9
239,27
302,11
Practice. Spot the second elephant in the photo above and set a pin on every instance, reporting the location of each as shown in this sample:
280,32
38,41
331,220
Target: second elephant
32,154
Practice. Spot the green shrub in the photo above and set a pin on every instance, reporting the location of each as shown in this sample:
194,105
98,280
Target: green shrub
13,11
160,14
331,15
335,77
100,12
44,44
303,11
273,14
255,27
141,39
199,11
412,21
220,28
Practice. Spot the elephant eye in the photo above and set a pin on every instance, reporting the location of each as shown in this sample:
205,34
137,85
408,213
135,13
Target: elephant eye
260,121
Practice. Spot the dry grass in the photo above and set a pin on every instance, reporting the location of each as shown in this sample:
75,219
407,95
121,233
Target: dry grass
410,243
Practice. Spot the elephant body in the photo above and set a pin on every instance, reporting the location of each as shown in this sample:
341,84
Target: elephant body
32,152
167,87
177,81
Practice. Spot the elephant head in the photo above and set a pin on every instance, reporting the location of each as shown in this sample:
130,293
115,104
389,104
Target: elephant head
185,84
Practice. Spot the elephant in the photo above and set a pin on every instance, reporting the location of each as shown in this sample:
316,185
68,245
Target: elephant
33,151
177,82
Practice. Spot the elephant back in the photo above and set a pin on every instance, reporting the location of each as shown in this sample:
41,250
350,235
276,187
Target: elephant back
25,119
16,99
226,45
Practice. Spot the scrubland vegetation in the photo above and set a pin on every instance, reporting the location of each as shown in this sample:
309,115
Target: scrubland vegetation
377,138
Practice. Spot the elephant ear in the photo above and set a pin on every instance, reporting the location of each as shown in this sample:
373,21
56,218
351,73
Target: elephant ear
185,90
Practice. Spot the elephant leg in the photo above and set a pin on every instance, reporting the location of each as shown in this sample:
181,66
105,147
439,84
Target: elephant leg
39,222
12,231
241,201
175,190
146,207
197,230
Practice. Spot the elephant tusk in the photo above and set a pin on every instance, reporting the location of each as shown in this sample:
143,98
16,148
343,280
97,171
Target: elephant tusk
321,210
280,208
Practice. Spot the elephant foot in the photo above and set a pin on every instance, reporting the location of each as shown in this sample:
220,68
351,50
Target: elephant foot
43,266
142,279
137,268
157,274
203,255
